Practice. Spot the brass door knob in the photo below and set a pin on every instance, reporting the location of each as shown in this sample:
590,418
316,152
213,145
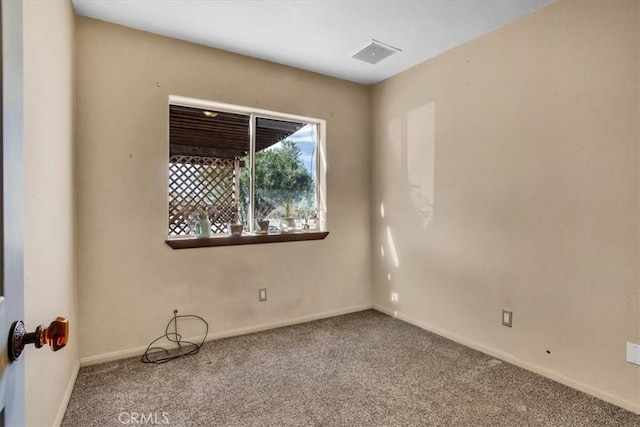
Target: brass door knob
55,336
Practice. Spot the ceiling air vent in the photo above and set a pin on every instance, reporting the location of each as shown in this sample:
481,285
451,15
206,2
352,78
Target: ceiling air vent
374,52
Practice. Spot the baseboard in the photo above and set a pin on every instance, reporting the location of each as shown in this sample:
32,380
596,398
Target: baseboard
138,351
67,396
498,354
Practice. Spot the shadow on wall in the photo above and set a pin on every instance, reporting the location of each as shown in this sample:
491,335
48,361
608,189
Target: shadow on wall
408,185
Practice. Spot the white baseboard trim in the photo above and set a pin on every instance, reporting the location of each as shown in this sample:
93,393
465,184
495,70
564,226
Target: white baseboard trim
498,354
138,351
67,396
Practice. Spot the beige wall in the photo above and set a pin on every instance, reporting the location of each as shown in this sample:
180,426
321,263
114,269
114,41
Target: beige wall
129,280
49,266
526,141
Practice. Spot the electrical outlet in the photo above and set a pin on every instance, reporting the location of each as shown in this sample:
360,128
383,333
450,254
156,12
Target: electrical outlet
507,317
262,294
633,353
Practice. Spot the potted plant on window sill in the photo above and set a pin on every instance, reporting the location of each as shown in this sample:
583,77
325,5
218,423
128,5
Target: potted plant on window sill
199,222
235,227
262,209
288,223
307,215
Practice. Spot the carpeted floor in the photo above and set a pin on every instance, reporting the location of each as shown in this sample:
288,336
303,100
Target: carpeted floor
361,369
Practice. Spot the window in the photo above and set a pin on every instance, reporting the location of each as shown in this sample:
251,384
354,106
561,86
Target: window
233,165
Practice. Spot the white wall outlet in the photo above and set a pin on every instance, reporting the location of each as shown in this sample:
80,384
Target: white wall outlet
633,353
262,294
507,316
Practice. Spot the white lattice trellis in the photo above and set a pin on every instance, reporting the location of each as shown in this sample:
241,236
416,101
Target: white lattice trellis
201,183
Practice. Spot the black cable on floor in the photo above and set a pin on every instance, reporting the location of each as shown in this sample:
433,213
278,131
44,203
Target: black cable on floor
176,338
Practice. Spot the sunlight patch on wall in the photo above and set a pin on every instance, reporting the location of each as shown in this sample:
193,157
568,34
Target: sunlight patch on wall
394,142
392,247
394,297
421,137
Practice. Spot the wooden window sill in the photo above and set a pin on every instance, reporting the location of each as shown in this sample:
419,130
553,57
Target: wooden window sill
245,239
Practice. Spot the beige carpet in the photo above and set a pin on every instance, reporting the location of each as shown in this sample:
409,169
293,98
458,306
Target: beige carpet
361,369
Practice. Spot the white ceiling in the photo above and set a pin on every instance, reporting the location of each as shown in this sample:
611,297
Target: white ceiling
318,35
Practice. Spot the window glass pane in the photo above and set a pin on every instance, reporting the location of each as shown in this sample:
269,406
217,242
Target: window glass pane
205,161
210,183
285,173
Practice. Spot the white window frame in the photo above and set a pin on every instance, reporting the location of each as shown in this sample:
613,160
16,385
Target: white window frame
254,113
